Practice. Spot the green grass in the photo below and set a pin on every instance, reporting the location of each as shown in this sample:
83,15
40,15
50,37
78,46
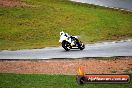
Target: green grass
39,26
49,81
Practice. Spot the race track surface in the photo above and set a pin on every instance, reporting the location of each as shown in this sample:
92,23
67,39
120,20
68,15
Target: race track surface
115,4
105,49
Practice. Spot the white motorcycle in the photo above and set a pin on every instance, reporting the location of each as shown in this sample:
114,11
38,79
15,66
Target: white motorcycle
70,42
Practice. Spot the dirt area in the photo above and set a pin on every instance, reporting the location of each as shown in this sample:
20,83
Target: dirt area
67,66
13,3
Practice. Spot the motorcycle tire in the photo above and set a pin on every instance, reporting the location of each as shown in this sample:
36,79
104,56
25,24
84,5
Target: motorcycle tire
65,45
82,46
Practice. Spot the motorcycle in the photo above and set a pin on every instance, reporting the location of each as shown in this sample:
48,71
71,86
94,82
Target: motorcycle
70,42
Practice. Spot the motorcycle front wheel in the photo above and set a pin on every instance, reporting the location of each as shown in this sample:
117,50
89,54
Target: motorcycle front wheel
65,45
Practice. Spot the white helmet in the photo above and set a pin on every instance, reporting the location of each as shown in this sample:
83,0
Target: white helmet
61,33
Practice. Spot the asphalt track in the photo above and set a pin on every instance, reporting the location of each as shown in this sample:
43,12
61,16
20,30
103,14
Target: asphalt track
115,4
104,49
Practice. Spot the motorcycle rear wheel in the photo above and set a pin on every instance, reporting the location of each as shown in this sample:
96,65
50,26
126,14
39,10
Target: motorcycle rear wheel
82,46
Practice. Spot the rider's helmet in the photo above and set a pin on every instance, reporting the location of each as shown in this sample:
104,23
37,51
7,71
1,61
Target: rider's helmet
61,33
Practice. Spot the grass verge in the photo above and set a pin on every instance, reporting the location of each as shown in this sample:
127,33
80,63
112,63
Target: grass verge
39,26
49,81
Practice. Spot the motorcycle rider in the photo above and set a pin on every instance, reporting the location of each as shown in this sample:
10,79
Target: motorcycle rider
69,36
